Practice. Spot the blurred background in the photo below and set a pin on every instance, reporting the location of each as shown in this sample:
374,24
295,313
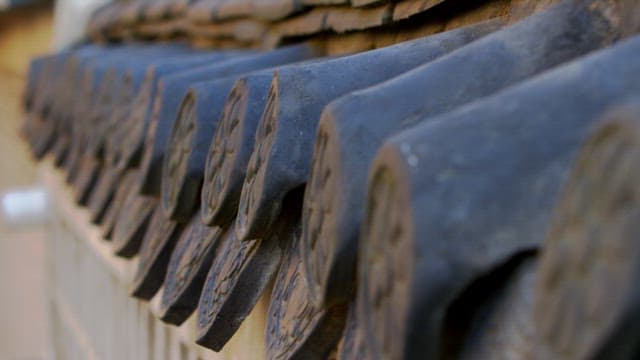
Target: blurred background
26,30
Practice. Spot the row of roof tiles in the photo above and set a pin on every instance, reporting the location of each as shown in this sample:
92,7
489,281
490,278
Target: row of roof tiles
399,197
343,25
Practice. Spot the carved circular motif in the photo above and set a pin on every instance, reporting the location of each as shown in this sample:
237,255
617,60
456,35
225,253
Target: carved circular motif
223,277
103,192
159,235
265,137
318,230
187,260
384,290
133,215
149,141
351,345
134,125
101,113
178,152
588,265
291,317
87,172
116,123
220,159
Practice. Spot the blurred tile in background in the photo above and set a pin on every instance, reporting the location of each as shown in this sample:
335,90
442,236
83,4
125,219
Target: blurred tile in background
12,4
